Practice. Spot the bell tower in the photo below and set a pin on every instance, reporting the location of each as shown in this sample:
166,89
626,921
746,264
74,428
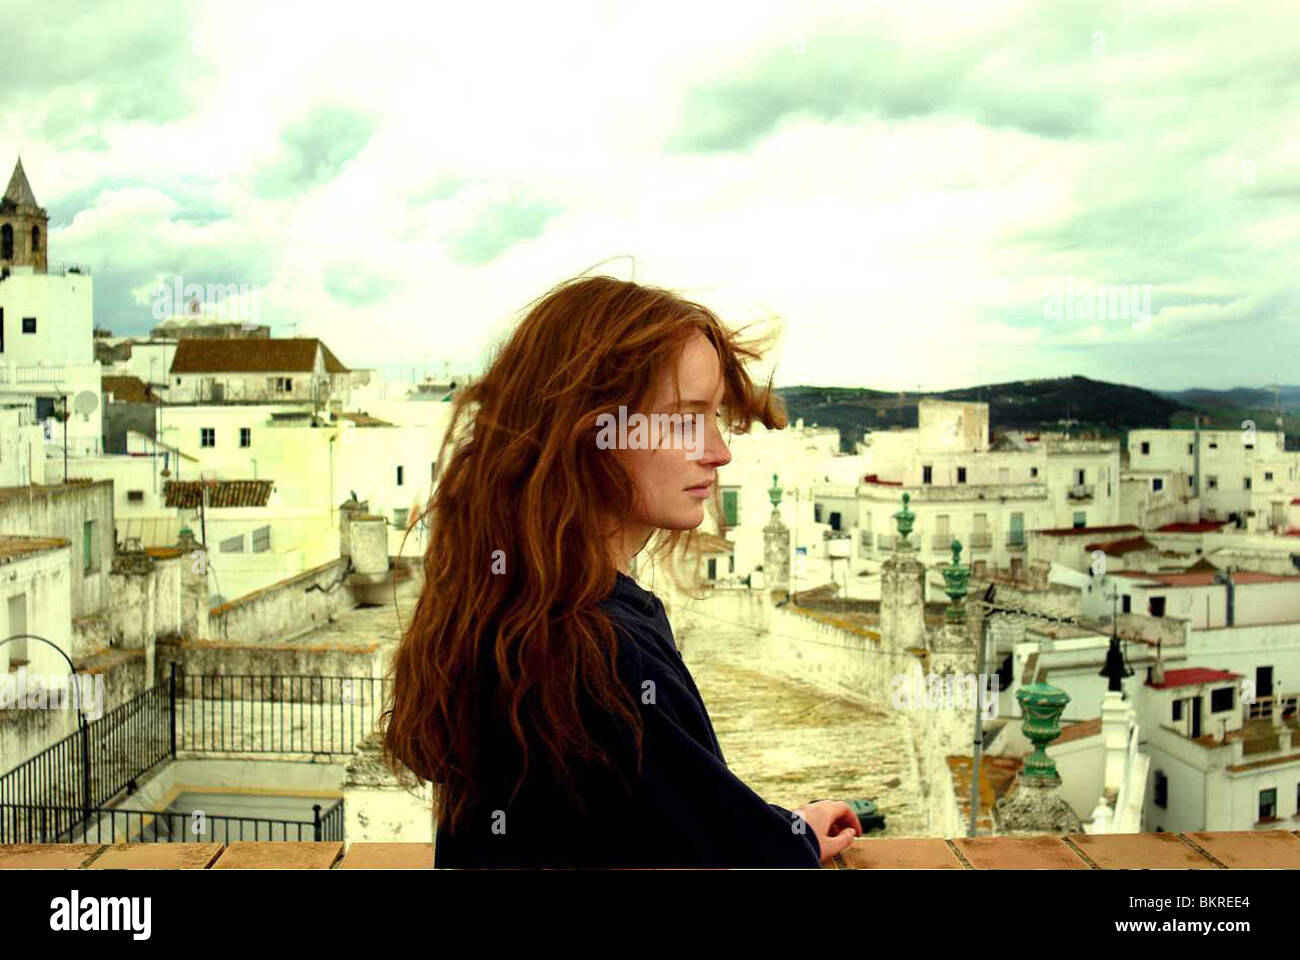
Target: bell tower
24,226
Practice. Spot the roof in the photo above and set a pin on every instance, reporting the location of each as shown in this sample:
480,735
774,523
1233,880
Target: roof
1204,526
1193,676
1118,548
1076,531
1205,578
711,543
184,494
13,546
287,355
128,390
19,192
1080,730
365,420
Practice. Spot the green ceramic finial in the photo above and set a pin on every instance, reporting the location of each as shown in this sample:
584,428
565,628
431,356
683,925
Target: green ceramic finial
774,492
956,577
1042,704
904,518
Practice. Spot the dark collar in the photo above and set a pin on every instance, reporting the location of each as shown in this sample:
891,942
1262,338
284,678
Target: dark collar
630,592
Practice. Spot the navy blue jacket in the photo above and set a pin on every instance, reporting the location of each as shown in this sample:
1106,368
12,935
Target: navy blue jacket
685,810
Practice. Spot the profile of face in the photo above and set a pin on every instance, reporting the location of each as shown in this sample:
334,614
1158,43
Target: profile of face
674,479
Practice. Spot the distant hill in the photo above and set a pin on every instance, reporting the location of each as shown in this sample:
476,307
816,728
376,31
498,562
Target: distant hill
1105,409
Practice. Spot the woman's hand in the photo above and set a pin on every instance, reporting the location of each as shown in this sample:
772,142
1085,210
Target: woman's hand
835,824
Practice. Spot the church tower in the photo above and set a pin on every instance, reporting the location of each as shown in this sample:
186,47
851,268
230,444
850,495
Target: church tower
24,226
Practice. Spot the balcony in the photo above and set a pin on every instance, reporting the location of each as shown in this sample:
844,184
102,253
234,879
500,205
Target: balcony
942,541
1015,541
1080,492
980,541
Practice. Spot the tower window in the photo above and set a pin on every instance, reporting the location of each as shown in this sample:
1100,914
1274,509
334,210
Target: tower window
36,239
29,324
6,242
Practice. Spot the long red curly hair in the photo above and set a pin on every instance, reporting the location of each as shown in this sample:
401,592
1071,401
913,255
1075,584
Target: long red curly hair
522,483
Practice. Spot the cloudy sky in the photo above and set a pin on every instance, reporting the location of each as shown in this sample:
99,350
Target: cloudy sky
919,193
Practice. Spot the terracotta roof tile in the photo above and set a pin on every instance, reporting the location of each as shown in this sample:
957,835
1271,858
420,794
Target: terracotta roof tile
184,494
285,355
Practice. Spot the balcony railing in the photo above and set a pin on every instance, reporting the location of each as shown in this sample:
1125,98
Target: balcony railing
942,541
1081,491
1015,541
980,541
1262,708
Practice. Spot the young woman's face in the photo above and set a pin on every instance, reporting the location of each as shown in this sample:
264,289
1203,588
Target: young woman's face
676,478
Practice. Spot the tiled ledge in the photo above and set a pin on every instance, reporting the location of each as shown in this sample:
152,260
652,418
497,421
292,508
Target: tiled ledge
1264,849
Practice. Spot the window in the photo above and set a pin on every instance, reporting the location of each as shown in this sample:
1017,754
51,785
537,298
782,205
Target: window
6,242
207,436
927,473
1250,446
1080,519
399,474
1214,445
1211,483
1080,477
88,551
1146,447
29,324
433,472
135,496
245,436
1245,483
835,519
731,506
1033,472
1162,790
262,539
1189,449
1178,710
1157,606
1222,699
1157,484
1268,804
284,384
817,513
178,381
36,239
233,544
961,474
400,516
1268,477
1126,603
731,563
713,568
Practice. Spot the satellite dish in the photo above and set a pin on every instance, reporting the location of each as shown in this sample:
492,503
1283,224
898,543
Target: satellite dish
85,403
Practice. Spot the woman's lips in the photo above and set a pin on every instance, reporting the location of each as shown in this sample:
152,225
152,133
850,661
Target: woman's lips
701,492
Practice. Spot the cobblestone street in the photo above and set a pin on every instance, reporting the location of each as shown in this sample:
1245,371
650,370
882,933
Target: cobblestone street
793,743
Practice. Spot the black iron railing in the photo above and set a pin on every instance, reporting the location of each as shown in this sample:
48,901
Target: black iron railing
47,823
66,786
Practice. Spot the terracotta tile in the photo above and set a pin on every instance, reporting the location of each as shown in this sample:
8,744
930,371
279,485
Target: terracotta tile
158,856
251,854
1019,853
901,853
1140,851
388,856
1252,849
47,856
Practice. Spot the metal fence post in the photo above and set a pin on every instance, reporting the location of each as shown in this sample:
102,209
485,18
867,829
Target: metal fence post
171,683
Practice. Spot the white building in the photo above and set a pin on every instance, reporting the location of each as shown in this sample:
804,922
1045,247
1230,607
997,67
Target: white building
1243,474
46,351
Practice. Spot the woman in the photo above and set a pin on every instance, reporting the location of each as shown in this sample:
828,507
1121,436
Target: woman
538,686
